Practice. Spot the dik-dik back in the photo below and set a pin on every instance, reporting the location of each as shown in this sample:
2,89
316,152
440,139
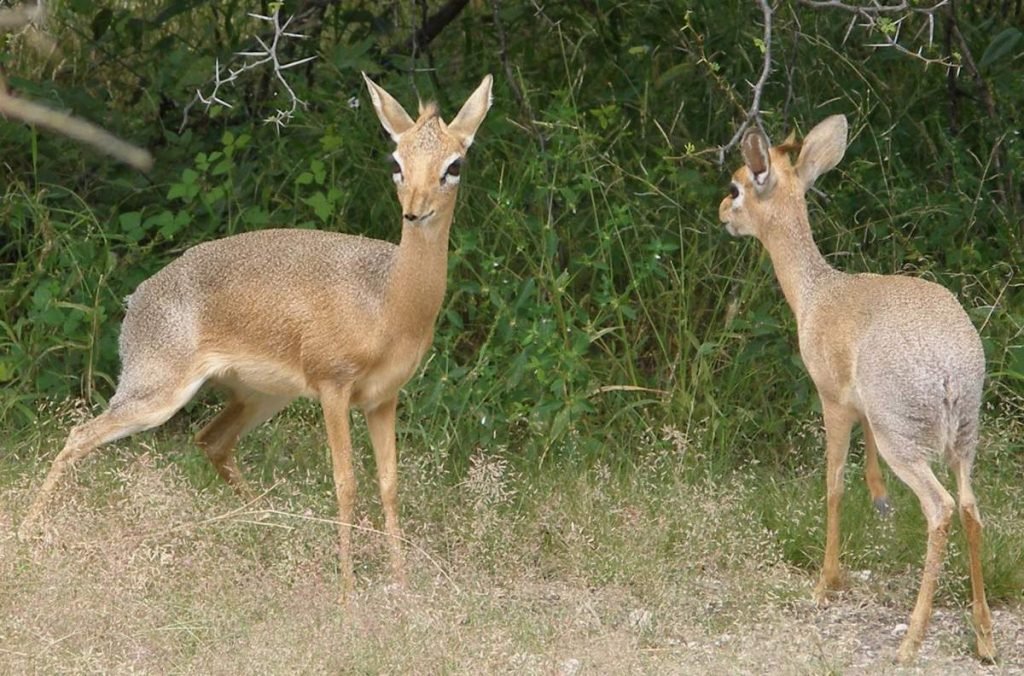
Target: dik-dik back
900,349
277,310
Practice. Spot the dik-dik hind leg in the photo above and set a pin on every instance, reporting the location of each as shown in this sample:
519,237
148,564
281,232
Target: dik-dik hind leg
873,471
970,517
381,422
839,422
909,461
124,417
219,437
335,403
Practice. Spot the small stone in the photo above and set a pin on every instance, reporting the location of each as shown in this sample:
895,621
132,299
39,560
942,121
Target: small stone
900,629
640,619
570,667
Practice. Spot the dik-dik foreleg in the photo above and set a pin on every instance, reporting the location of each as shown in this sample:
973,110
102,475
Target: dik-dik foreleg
839,422
381,422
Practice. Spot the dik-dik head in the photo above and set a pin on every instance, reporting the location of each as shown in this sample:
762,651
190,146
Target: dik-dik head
769,182
428,158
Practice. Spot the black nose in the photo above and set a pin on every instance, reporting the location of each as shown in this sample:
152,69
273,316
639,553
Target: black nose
411,217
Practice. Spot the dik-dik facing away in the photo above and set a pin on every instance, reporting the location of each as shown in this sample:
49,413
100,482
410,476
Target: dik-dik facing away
280,314
896,353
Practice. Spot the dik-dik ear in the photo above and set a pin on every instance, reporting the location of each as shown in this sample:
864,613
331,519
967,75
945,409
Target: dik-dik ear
391,113
465,124
756,155
822,149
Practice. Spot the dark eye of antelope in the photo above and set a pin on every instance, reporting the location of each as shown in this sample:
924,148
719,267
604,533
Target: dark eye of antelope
396,170
451,174
734,190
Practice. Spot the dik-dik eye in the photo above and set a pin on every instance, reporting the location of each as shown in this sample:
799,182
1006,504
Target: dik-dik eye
734,190
396,170
451,173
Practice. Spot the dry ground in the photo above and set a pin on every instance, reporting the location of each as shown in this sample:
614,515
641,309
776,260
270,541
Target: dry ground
145,572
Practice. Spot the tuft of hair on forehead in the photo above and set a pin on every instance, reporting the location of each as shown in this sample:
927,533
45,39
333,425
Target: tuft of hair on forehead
790,146
428,110
783,153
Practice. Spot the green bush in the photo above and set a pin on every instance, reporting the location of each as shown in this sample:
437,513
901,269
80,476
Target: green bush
593,296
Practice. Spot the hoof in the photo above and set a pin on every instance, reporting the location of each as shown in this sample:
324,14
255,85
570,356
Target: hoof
826,589
906,656
883,506
907,653
986,650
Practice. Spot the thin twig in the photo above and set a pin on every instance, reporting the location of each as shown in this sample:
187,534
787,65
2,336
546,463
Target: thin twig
364,529
243,514
75,128
754,112
874,7
31,19
888,28
627,388
267,54
510,76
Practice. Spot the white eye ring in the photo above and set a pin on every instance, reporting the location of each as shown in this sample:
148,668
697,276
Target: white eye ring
452,169
396,169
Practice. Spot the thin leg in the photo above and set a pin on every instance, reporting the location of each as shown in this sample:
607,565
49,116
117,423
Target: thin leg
911,466
970,517
120,420
335,403
838,423
381,422
873,471
220,436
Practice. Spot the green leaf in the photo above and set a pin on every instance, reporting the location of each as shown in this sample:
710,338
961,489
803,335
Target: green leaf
130,221
319,172
101,23
1000,46
322,207
222,167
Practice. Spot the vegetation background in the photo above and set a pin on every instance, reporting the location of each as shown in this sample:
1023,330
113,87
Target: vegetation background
599,321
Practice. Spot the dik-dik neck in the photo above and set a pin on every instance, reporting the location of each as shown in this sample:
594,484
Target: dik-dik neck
419,275
799,265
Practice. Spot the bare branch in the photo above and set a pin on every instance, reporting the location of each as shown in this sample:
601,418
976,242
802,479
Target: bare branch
510,76
75,128
29,20
754,112
268,55
877,17
434,24
873,8
22,16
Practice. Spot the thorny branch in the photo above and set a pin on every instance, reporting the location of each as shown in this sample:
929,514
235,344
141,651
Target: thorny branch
754,112
268,54
30,20
874,8
875,17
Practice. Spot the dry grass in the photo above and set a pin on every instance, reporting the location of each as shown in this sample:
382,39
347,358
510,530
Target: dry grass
143,571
